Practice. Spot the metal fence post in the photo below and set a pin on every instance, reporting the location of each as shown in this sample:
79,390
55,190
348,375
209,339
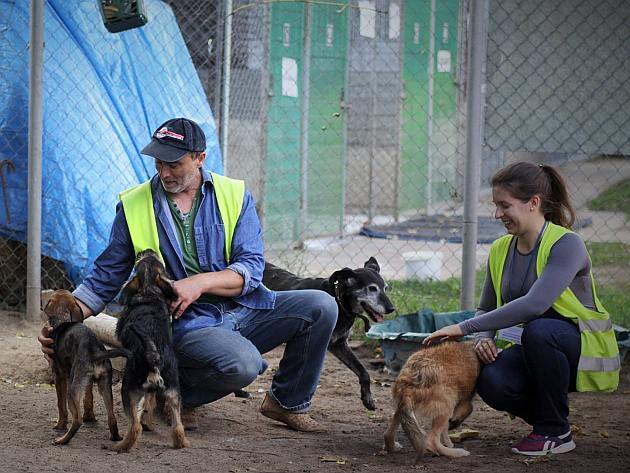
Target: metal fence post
225,102
35,125
474,134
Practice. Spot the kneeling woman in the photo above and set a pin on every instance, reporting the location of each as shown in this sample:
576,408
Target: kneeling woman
540,296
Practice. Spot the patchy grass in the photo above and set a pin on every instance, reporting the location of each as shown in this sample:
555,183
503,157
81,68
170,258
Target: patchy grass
614,253
614,199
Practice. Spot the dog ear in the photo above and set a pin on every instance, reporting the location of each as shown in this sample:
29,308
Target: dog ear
345,276
76,313
372,264
132,287
166,286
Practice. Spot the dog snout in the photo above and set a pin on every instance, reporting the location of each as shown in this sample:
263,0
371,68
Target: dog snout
389,307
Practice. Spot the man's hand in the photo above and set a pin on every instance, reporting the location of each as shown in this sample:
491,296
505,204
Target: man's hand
486,350
188,290
446,333
46,342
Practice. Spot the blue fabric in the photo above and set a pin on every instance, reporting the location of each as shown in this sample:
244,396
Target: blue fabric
216,361
104,94
114,265
532,380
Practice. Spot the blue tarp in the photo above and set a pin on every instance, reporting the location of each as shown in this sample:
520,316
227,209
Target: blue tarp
103,96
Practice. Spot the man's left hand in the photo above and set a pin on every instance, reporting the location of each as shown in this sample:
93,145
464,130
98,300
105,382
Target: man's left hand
188,290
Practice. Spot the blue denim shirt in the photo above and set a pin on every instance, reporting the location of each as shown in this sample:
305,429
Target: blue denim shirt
114,265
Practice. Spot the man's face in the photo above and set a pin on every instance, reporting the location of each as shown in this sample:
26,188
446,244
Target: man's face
182,175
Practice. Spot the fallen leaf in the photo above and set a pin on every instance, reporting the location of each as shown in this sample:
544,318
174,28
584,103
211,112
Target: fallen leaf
604,434
20,335
577,430
463,435
420,467
333,459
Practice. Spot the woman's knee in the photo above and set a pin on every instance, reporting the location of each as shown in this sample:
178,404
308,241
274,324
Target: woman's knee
536,334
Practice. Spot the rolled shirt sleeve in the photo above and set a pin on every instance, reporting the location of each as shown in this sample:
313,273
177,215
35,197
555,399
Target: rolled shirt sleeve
246,257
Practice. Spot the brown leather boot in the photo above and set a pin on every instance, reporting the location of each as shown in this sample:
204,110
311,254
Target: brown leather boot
189,418
297,421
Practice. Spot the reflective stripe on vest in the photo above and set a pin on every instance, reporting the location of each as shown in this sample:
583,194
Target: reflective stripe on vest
598,368
140,215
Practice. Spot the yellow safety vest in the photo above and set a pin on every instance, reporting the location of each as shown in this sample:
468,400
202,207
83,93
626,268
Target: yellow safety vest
598,368
138,205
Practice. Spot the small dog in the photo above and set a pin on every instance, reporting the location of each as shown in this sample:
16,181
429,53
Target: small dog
437,383
80,359
356,291
144,329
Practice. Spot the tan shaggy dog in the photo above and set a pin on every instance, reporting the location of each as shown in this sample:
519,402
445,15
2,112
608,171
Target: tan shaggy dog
436,383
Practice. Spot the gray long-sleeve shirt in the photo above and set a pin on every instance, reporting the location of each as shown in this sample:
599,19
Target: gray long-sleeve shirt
528,297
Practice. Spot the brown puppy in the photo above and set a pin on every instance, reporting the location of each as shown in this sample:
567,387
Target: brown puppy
437,383
80,359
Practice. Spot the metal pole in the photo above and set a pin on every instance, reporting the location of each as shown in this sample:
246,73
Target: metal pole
345,115
304,117
431,71
35,128
474,132
371,174
225,102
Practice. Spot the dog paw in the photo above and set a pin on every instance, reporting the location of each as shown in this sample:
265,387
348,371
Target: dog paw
89,418
183,444
369,403
120,448
60,441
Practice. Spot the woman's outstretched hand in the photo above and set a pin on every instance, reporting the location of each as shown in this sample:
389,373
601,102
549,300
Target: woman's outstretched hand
446,333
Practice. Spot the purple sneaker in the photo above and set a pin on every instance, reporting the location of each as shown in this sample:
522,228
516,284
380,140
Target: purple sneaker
535,445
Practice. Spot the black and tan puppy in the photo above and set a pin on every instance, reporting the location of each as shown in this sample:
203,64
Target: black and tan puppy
437,383
80,360
144,330
357,291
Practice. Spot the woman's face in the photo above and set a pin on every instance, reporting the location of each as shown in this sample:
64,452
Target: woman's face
515,214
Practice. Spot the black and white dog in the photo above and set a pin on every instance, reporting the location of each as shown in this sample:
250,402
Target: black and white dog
357,291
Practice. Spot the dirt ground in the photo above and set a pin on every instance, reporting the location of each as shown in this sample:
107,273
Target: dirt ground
234,438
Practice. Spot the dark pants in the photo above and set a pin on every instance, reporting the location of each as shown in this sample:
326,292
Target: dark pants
532,380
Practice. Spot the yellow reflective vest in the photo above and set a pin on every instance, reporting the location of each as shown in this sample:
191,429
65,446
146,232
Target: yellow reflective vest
598,368
138,205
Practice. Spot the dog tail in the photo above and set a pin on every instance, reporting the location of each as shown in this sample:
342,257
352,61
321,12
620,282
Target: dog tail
411,426
154,379
114,353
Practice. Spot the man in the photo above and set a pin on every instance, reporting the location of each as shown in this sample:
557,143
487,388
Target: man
208,234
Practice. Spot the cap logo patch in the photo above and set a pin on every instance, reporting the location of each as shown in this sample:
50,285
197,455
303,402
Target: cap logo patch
164,132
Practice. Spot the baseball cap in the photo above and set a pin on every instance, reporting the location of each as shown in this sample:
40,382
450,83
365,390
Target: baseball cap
174,138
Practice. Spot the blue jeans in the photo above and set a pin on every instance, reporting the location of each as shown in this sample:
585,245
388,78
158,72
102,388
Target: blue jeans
532,380
216,361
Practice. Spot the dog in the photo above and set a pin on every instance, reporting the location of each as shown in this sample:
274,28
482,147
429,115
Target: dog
357,291
80,360
437,383
144,330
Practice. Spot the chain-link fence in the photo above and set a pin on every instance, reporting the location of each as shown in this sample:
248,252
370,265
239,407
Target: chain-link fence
346,118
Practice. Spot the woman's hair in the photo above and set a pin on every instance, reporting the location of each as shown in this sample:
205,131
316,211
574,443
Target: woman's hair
525,180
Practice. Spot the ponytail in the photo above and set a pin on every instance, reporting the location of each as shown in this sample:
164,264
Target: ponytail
556,207
525,180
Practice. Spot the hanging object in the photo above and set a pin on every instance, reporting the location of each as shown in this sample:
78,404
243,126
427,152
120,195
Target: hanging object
121,15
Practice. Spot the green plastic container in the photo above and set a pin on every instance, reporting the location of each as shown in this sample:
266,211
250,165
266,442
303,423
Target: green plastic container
402,336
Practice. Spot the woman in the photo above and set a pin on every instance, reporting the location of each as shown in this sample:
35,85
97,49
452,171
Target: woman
540,296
